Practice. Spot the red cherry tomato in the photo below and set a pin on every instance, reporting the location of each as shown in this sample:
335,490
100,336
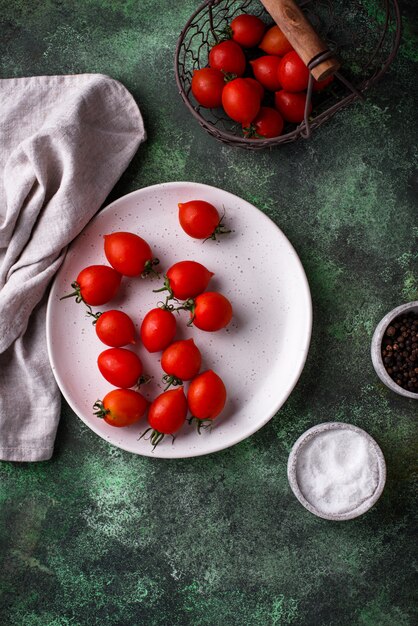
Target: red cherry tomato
247,30
228,57
241,101
167,414
293,73
319,85
187,279
121,407
95,285
265,70
274,42
212,311
181,361
206,396
120,367
115,329
158,329
268,123
258,86
207,87
291,105
128,253
200,219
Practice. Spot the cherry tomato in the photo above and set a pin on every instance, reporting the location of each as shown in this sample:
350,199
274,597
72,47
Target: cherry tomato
241,100
96,284
206,396
265,70
200,219
181,361
291,105
228,57
121,407
187,279
274,42
247,30
120,367
212,311
268,123
258,86
129,254
319,85
167,414
158,329
207,87
115,329
293,73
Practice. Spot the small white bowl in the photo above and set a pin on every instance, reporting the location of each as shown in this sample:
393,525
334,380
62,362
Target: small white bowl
376,348
293,462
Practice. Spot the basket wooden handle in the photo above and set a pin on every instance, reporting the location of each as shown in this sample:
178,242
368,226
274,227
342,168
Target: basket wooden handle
301,35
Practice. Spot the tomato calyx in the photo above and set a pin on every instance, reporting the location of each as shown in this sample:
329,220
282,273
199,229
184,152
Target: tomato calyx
171,380
75,294
170,296
228,76
250,132
100,410
142,380
220,229
155,437
188,305
206,424
149,268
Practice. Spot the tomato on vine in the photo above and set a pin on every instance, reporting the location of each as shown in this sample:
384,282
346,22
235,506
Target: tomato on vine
114,328
241,100
200,219
292,73
129,254
207,86
95,285
121,407
291,105
180,361
186,279
227,57
120,367
247,30
206,398
210,311
267,124
265,70
166,415
158,329
275,42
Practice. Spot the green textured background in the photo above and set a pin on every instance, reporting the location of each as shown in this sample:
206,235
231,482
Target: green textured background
99,536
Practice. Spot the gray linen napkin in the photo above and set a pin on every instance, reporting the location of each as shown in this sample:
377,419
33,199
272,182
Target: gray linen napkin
64,142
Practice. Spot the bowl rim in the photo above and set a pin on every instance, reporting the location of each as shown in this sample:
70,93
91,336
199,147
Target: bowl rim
307,436
376,344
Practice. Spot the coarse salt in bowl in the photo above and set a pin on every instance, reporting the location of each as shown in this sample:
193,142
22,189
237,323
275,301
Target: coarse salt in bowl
337,471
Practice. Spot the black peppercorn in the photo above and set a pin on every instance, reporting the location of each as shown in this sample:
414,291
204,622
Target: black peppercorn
400,351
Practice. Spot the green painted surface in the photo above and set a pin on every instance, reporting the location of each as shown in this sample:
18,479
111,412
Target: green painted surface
99,536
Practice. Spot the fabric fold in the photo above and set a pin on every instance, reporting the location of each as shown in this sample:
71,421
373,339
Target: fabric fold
64,142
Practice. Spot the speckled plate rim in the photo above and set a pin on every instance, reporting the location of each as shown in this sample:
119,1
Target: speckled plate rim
305,438
376,352
307,331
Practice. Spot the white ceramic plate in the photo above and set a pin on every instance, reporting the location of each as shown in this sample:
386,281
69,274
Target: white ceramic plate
260,355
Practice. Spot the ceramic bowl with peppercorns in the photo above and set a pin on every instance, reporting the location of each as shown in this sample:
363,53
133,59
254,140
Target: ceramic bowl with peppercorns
395,350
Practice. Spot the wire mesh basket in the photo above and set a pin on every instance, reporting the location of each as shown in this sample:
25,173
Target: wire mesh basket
365,39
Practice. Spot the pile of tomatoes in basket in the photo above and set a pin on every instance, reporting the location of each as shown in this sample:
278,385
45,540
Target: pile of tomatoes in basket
185,284
242,86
